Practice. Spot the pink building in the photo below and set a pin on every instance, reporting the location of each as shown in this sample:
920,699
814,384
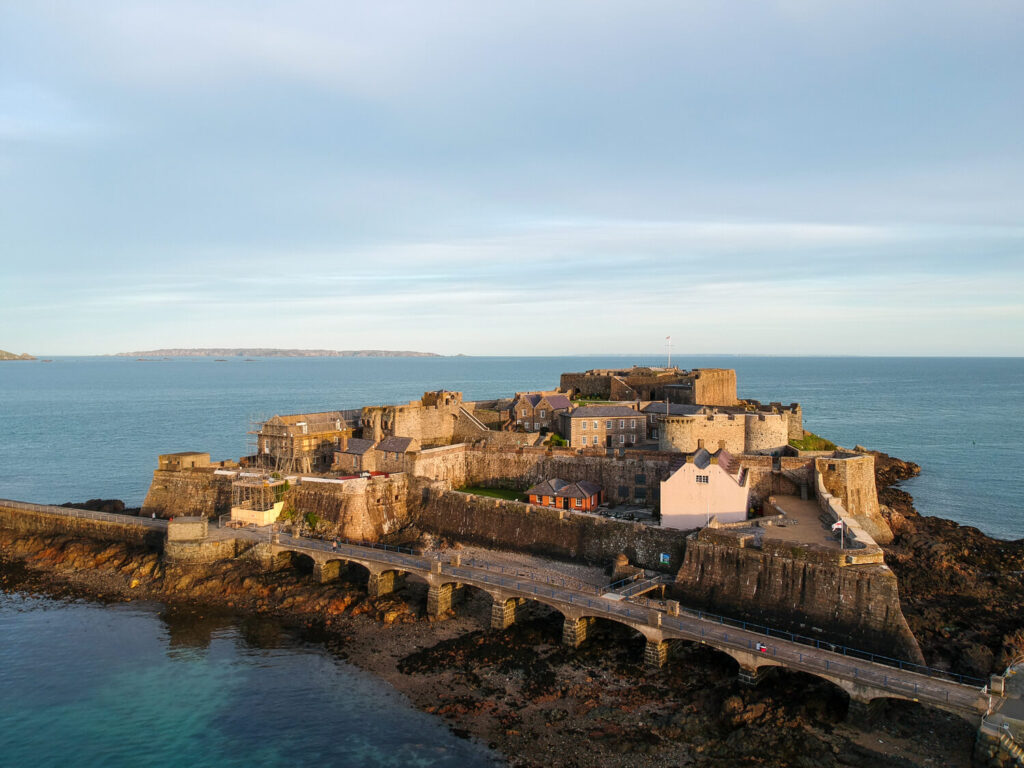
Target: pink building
707,485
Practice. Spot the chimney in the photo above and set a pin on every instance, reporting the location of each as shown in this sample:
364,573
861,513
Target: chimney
721,445
689,458
700,443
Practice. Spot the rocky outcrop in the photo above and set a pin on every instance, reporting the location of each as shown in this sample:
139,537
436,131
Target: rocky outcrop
11,356
962,591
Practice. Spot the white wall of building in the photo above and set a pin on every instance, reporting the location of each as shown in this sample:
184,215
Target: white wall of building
686,501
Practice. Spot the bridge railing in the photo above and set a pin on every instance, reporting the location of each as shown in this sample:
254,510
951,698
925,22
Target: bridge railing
642,607
85,514
819,644
568,582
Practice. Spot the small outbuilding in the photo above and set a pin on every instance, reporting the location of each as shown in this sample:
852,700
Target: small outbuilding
583,496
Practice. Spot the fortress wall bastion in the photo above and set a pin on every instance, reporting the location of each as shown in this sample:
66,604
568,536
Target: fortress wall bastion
39,521
363,509
185,492
765,432
511,525
796,588
683,433
714,386
851,479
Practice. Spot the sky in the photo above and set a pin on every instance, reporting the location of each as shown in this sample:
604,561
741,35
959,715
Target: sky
513,178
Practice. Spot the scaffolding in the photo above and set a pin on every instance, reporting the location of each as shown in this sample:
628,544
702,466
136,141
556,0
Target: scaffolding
257,497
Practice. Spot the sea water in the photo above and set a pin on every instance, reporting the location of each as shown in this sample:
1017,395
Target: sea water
133,685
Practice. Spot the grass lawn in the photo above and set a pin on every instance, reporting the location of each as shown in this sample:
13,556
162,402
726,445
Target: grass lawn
495,493
812,442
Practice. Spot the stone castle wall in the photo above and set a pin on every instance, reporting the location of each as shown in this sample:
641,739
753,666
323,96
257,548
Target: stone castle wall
765,432
714,386
359,509
683,434
511,525
796,588
187,492
38,519
851,479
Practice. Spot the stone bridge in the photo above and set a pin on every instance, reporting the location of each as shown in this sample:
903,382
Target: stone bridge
581,604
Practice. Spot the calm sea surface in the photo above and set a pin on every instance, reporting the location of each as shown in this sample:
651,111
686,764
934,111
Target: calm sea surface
133,685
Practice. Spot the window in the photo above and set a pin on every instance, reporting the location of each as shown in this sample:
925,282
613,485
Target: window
523,413
595,440
632,438
623,492
632,423
608,424
584,424
640,494
622,439
595,425
702,479
622,423
578,502
536,425
543,414
641,479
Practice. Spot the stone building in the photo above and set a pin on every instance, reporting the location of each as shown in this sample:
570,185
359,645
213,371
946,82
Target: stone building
303,442
607,426
580,496
389,454
352,457
534,411
707,485
708,386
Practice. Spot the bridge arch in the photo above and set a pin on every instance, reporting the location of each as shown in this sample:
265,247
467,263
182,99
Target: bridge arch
288,559
337,568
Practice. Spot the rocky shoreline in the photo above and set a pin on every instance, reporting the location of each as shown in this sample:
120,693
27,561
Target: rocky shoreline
542,704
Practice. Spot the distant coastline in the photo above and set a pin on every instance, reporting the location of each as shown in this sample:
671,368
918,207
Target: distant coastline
11,356
271,352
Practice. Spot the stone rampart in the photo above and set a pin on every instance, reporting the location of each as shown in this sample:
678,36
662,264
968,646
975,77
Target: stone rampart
801,588
765,432
363,509
684,434
511,525
850,477
188,492
25,518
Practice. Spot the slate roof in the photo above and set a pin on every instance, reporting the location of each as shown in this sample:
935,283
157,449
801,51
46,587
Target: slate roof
603,412
556,401
562,489
394,444
358,446
559,402
702,458
674,409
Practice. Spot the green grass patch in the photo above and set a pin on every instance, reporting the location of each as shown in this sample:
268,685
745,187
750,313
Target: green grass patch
813,442
494,493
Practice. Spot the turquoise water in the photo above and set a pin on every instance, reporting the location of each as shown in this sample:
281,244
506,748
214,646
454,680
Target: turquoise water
127,686
83,428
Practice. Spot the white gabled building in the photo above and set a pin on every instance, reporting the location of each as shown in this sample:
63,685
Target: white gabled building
707,485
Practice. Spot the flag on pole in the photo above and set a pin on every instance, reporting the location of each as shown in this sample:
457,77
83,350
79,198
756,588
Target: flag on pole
837,525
